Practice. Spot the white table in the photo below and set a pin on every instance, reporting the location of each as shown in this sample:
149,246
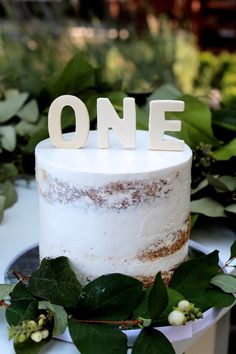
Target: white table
19,230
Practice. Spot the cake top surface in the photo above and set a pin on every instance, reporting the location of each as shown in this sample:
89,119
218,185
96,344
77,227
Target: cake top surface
115,159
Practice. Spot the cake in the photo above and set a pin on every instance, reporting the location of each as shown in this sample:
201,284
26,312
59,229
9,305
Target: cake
114,210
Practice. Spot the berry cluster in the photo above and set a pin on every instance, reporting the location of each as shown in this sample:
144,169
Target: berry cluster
37,331
183,313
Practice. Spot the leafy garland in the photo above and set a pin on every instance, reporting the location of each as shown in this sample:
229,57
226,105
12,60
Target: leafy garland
43,305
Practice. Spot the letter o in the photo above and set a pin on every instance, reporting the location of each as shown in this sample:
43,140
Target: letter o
82,122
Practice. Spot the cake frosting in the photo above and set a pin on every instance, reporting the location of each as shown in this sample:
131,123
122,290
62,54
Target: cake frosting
114,210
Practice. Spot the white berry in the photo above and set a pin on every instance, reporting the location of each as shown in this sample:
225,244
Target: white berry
176,318
184,305
45,333
36,336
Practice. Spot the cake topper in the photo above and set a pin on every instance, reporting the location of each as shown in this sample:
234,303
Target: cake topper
107,118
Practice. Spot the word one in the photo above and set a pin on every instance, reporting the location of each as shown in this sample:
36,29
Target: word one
108,118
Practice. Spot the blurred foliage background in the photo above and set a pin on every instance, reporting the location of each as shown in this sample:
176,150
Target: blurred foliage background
71,47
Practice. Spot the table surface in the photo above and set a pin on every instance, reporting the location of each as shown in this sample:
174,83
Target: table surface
19,231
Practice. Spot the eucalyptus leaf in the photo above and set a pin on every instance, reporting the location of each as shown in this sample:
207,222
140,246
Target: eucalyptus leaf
158,297
217,184
2,206
91,339
59,316
115,295
152,341
9,191
207,206
11,93
233,251
226,151
193,277
11,106
5,290
203,184
56,282
225,282
196,122
29,112
229,182
231,208
8,171
8,137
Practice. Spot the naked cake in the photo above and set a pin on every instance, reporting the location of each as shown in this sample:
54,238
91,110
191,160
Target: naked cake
114,210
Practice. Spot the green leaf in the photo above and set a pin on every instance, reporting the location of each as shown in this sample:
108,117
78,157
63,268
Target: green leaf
152,341
231,208
174,297
23,305
2,206
77,76
8,137
113,295
207,206
9,191
158,298
141,119
91,339
35,139
142,309
225,282
29,112
59,316
229,182
217,184
202,185
5,290
8,171
11,106
192,277
194,218
213,298
29,347
165,92
233,250
196,122
56,282
225,118
226,151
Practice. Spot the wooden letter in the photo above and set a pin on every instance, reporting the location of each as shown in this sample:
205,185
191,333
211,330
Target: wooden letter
81,122
158,125
108,118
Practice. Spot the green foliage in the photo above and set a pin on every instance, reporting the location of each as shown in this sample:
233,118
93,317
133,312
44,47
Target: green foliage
157,297
54,280
227,283
152,341
96,314
89,338
114,295
195,269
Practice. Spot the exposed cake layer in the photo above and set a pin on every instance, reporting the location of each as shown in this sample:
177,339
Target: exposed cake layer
114,210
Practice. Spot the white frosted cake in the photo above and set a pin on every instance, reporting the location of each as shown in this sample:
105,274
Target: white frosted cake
114,210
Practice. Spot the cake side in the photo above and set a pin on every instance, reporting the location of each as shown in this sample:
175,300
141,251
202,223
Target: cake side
134,223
